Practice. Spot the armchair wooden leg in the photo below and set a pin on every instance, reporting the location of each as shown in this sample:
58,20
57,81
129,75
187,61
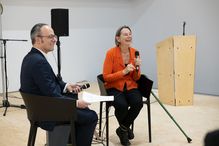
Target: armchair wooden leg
149,119
32,135
107,125
100,119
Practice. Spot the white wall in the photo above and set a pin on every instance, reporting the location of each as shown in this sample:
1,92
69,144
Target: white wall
164,18
83,52
92,27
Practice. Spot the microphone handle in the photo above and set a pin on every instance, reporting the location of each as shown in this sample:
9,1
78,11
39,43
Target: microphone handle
85,86
137,68
136,56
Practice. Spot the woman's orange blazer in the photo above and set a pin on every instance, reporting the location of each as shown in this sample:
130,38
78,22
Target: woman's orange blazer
113,70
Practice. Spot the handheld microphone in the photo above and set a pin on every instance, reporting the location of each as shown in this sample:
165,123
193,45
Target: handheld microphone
136,56
85,86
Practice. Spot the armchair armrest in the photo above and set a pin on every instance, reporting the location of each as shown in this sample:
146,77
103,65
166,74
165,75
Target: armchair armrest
45,108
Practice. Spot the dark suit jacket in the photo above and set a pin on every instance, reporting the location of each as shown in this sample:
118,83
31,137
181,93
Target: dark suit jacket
37,77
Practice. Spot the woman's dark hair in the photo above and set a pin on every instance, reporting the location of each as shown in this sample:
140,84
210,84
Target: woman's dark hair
118,33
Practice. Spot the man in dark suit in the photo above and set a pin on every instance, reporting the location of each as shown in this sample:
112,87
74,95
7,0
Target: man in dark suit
37,77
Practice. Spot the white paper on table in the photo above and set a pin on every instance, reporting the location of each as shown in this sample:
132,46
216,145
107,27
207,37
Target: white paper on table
90,98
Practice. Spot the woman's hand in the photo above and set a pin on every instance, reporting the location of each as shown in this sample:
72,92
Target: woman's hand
130,67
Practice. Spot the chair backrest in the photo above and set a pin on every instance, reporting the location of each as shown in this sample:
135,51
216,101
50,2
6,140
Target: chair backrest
102,88
45,108
145,86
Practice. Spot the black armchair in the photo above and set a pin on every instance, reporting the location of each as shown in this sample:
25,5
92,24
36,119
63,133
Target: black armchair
144,85
44,108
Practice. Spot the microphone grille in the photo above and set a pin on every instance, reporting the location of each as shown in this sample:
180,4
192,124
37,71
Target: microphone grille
136,53
87,85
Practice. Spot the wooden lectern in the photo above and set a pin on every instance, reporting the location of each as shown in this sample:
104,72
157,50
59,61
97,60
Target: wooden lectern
175,69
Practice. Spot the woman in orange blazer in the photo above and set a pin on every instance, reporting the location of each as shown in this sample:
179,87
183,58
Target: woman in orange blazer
121,70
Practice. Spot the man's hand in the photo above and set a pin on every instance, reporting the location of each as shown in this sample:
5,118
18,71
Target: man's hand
73,88
82,104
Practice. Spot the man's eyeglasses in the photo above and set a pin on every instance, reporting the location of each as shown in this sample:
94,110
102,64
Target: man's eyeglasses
52,36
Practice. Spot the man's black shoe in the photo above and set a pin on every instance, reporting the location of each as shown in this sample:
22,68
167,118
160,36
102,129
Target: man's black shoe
130,134
123,136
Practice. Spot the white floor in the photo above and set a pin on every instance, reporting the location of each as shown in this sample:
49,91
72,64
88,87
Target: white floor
195,121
